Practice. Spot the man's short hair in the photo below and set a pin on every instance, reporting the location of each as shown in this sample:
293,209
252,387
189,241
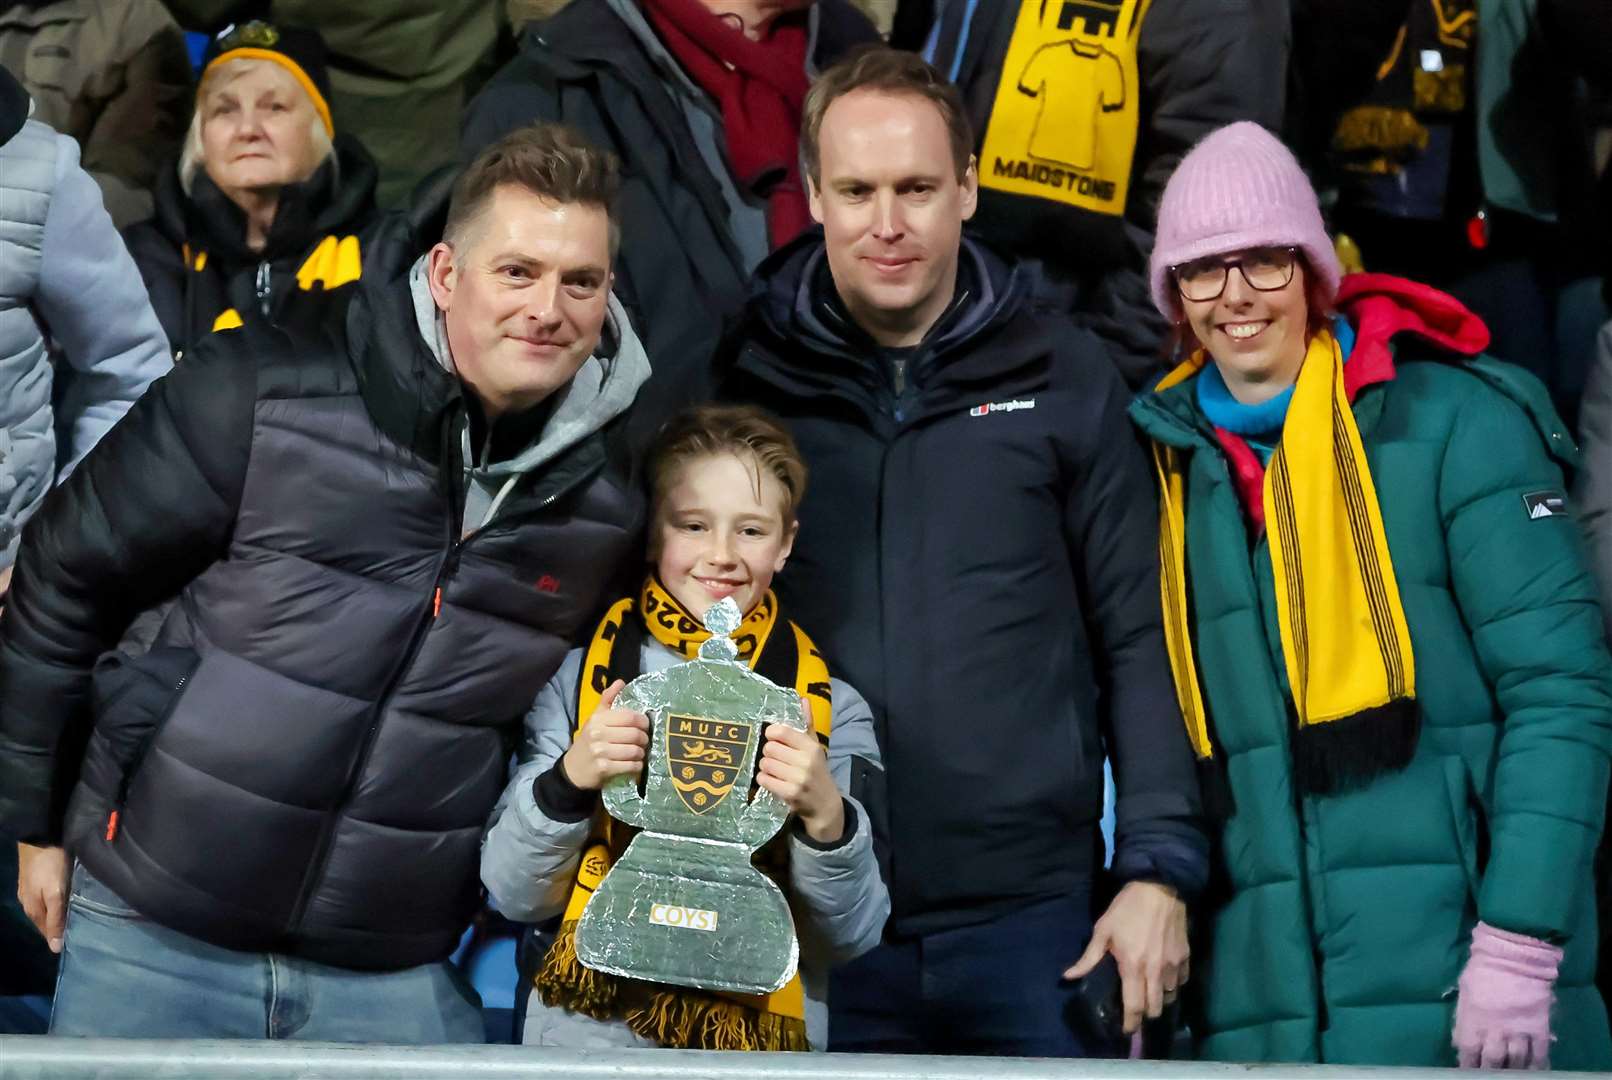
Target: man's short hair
889,71
552,161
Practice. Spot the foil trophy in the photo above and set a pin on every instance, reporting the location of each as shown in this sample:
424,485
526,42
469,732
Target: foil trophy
684,904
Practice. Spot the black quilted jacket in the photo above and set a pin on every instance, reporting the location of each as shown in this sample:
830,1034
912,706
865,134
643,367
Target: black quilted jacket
305,760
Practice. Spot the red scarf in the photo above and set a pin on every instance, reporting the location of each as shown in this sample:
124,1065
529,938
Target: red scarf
760,86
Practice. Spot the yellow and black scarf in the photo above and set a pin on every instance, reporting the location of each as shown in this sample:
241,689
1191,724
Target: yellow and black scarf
1345,642
675,1016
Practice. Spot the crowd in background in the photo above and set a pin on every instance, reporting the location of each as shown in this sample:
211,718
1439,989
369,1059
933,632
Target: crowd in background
269,213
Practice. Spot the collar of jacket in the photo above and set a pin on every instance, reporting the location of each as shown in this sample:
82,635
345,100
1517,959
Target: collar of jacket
14,106
339,198
988,342
586,34
416,399
1395,321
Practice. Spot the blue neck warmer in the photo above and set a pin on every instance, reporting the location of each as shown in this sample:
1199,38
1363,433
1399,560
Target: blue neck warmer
1264,419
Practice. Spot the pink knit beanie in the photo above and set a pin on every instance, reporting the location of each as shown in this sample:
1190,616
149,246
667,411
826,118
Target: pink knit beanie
1238,188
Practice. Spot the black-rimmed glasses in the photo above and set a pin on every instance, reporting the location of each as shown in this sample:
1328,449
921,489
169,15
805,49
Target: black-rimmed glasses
1265,269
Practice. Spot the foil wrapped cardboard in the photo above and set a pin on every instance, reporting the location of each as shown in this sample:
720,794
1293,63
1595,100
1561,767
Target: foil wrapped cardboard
684,904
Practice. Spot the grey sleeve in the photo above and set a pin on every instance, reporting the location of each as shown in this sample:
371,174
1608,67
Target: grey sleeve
529,860
1593,489
95,307
840,899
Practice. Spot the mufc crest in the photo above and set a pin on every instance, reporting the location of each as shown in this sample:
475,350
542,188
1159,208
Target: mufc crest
703,757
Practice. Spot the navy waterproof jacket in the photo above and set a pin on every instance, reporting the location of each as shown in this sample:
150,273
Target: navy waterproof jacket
978,555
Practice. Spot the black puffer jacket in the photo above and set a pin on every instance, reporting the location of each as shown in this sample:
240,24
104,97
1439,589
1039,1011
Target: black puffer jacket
978,555
305,760
201,275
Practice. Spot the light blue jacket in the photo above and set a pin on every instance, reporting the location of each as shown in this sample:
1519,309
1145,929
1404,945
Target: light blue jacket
70,292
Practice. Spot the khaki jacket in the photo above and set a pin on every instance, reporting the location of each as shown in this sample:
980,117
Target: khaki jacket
114,75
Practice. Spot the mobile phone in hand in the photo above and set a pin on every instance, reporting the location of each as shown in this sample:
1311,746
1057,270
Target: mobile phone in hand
1096,1006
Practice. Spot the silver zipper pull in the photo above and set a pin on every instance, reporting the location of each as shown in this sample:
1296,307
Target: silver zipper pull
263,288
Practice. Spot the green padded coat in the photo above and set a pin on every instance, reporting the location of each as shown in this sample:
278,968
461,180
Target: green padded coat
1341,923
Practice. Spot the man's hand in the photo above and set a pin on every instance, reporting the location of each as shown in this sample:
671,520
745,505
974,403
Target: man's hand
612,743
1146,930
794,768
5,584
42,888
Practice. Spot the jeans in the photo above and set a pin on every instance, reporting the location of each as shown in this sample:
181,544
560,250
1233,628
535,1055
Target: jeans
995,988
124,975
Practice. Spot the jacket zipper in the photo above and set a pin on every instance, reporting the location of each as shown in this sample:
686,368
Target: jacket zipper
264,288
430,611
113,819
446,570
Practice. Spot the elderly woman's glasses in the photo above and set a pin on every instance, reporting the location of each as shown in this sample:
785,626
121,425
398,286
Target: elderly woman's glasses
1265,269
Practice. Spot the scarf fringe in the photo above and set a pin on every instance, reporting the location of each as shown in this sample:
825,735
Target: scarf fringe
677,1018
1350,752
1219,803
564,983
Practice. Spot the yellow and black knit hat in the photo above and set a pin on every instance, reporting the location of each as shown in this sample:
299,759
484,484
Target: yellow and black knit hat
297,50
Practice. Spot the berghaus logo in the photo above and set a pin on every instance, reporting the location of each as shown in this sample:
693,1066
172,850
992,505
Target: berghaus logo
1002,406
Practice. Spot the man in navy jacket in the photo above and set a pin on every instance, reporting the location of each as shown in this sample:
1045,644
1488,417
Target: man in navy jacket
979,553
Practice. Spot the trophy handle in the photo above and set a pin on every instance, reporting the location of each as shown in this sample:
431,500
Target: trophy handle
625,804
620,793
767,813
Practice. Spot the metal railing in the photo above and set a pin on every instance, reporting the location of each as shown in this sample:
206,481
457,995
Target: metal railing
44,1058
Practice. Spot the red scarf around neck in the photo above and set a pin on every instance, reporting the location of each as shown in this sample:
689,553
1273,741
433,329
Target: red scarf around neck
760,87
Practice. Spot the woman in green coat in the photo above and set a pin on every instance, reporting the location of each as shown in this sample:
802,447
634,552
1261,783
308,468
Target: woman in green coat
1386,645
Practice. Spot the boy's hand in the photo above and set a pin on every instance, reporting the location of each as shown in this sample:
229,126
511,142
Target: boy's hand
794,768
612,743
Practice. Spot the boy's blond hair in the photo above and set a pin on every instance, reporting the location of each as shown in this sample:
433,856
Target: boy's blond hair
749,433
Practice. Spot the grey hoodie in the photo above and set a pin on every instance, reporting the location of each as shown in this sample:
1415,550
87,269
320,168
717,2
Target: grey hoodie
601,390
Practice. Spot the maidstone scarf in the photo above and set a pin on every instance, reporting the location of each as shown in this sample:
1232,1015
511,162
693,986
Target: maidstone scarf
677,1016
1345,642
760,87
1063,125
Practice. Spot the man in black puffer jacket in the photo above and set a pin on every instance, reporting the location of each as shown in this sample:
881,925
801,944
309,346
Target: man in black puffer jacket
380,552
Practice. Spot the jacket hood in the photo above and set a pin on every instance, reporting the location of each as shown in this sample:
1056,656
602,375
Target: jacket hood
1382,308
1393,319
799,338
339,198
794,304
14,106
406,373
602,389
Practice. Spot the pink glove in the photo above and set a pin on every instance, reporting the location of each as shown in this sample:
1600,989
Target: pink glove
1502,1006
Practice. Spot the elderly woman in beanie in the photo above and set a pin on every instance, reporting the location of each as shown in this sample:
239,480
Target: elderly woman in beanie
1385,643
265,215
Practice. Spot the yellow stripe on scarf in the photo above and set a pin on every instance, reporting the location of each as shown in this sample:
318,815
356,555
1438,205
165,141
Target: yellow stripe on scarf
677,1017
1345,642
332,264
1344,635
